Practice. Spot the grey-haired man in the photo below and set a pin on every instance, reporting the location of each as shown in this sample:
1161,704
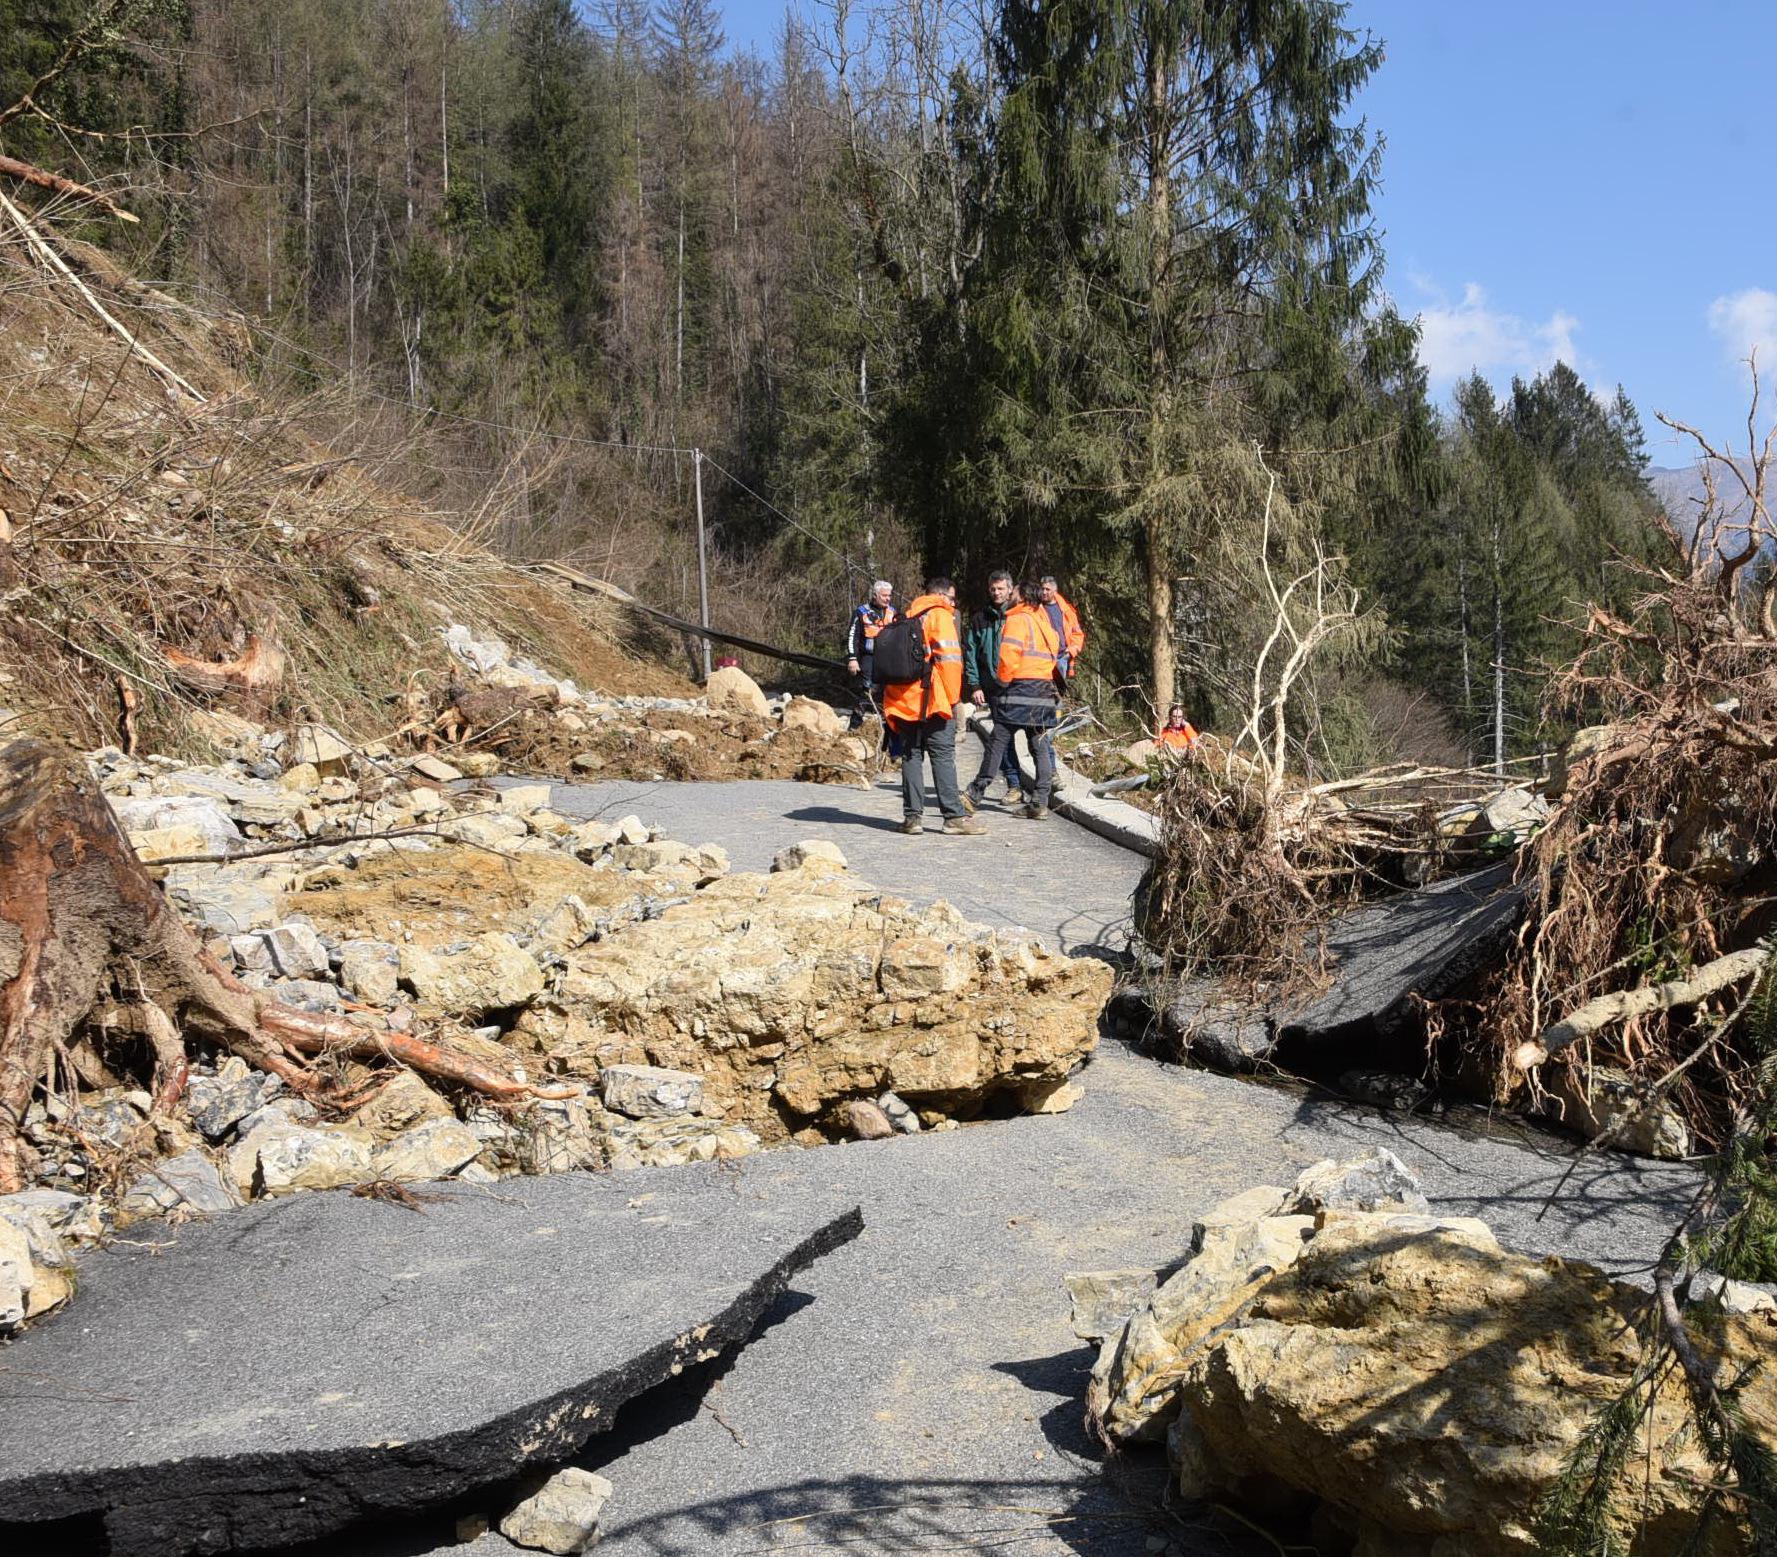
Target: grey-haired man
860,644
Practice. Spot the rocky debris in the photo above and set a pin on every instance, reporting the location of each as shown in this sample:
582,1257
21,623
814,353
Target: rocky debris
562,1515
36,1272
492,972
433,1150
650,1092
1614,1105
898,1113
868,1121
822,719
279,1156
793,992
682,1014
298,1403
1378,1182
669,1143
1104,1300
1508,818
818,852
1398,1373
188,1182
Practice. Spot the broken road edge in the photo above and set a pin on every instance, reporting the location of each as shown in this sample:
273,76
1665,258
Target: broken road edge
220,1503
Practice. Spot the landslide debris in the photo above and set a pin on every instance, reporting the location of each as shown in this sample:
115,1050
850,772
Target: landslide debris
1395,1381
665,1009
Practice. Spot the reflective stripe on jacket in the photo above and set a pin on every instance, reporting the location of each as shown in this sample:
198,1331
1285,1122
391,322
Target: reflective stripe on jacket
1030,648
911,701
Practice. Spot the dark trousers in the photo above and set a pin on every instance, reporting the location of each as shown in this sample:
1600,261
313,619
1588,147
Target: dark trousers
1009,769
936,738
999,750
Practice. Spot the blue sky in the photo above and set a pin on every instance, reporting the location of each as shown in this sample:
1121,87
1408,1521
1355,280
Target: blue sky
1574,179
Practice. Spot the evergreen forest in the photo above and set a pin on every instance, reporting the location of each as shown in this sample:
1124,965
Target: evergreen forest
935,285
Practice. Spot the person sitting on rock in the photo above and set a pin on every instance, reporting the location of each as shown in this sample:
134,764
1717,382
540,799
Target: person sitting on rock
1177,734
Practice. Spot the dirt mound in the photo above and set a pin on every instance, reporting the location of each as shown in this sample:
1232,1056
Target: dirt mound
701,743
173,542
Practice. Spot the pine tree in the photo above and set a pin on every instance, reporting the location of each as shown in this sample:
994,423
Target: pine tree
1177,201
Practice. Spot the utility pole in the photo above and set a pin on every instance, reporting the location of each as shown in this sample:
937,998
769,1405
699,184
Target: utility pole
703,573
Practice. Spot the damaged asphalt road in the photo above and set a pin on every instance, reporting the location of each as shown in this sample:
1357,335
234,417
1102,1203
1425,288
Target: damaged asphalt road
275,1375
917,1388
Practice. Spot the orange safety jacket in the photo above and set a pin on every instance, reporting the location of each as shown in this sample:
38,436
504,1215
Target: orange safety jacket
1181,739
909,702
1073,634
1030,648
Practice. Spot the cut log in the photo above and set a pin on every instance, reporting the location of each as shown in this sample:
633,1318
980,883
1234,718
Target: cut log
254,673
44,179
82,924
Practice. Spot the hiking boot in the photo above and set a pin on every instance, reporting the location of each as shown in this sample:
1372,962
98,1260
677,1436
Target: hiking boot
1014,797
970,803
913,824
966,825
1037,813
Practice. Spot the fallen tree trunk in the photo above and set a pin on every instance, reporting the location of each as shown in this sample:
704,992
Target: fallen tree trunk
83,925
1618,1006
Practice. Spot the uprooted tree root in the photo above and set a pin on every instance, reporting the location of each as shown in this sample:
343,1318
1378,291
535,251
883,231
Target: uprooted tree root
1658,863
1249,871
86,936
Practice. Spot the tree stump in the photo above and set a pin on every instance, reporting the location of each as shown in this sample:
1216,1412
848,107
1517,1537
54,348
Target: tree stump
83,924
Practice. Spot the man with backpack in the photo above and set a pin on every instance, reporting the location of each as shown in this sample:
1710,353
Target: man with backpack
919,665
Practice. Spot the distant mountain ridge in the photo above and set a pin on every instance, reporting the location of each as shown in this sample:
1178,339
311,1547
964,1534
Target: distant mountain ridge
1681,491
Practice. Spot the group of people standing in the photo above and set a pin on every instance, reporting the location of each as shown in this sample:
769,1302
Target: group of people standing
1014,659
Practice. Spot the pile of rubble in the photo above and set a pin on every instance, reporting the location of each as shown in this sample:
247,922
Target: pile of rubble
1393,1378
666,1009
548,725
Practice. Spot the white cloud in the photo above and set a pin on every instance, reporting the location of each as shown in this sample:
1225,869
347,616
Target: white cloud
1456,339
1746,322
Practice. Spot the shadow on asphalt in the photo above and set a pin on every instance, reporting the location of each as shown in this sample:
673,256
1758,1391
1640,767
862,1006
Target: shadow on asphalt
841,818
940,1514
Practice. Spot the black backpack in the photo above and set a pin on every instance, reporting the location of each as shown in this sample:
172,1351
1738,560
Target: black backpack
900,653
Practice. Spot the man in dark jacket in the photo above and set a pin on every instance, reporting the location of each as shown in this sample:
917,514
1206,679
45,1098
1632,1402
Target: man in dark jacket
860,643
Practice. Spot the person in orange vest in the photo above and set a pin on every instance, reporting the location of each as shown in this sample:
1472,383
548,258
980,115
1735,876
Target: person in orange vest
1029,670
919,714
1066,622
1177,734
866,622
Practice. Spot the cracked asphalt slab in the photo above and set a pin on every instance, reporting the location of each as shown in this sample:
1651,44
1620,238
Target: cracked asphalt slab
919,1389
283,1372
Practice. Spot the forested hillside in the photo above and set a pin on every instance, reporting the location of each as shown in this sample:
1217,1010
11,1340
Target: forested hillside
1093,290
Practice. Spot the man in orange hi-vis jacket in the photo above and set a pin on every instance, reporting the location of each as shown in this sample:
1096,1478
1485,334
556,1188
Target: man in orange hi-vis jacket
920,713
1030,671
1066,622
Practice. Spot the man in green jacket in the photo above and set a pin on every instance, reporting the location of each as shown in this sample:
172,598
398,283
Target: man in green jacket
981,657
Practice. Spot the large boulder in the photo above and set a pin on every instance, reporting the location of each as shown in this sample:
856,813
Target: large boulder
796,991
818,718
733,689
1415,1386
492,972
